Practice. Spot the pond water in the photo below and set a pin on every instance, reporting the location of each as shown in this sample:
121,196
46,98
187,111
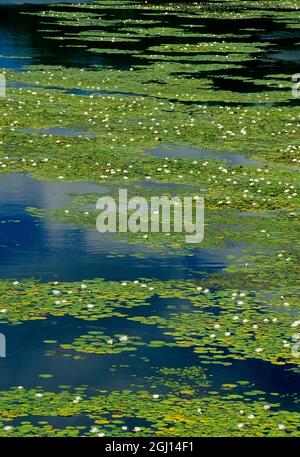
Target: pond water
41,248
60,131
49,250
175,151
35,247
22,42
27,358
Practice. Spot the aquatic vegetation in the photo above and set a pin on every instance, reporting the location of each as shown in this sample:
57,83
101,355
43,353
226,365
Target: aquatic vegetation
247,320
97,343
143,77
274,230
111,413
32,300
120,128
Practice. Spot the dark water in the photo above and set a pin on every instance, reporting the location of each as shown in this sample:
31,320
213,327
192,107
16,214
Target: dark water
32,246
22,43
27,358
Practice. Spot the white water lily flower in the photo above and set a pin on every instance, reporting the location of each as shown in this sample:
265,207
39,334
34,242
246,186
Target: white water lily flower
295,323
281,426
137,429
94,429
266,407
123,338
155,396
